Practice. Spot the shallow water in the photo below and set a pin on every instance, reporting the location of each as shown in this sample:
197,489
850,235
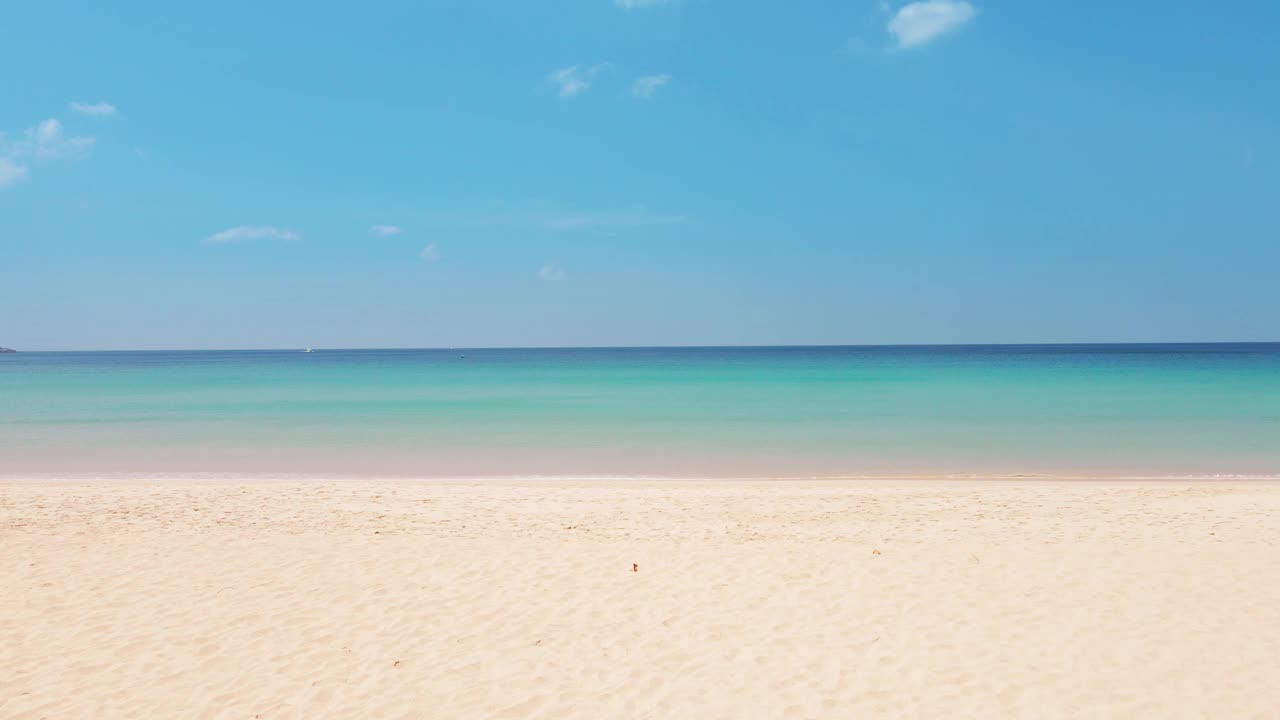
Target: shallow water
1116,410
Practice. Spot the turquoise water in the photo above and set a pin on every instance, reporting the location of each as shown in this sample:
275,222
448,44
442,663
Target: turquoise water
822,411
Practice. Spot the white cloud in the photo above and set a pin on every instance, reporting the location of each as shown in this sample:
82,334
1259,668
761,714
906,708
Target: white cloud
920,22
45,141
429,253
646,85
103,109
633,4
48,141
551,271
11,172
241,233
385,230
575,79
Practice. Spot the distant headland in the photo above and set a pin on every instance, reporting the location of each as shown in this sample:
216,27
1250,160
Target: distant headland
2,350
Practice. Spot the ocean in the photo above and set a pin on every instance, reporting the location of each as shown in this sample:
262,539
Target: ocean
1149,410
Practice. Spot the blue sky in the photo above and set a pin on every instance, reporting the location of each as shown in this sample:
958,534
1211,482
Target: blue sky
595,172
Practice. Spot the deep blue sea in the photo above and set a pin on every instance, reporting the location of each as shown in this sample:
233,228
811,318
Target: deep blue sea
1108,410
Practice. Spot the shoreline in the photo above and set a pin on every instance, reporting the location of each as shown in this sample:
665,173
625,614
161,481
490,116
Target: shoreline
495,478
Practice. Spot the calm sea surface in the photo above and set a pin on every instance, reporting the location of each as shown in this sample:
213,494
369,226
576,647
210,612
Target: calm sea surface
1120,410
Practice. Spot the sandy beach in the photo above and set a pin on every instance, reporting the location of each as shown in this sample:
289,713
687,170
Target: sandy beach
191,598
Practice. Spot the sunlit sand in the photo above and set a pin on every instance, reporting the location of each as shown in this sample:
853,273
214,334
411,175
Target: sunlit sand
671,599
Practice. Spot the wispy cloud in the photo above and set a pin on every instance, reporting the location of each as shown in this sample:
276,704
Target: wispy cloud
919,22
100,109
11,172
385,230
429,253
241,233
551,271
633,4
575,79
645,86
44,141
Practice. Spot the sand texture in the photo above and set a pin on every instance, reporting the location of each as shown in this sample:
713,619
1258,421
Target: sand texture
518,599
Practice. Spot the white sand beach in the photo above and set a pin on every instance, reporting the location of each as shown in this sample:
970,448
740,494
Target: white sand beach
183,598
